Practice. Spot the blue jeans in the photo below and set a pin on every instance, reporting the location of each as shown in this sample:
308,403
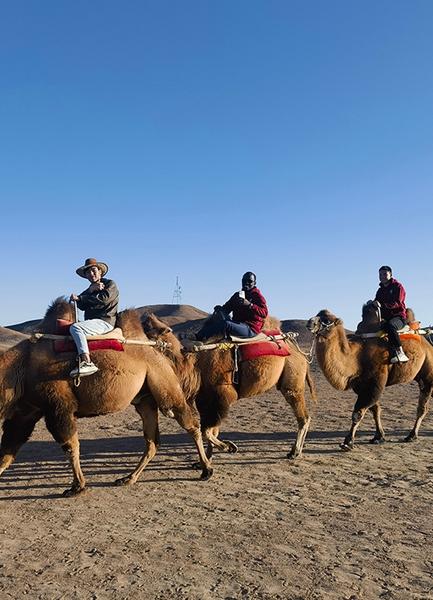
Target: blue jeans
221,324
80,330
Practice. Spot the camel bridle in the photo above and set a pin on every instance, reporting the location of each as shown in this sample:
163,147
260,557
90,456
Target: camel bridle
321,327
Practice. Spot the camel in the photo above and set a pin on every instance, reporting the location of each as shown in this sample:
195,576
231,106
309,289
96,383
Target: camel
350,362
207,378
34,383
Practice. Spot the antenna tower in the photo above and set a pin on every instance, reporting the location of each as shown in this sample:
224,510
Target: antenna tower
177,293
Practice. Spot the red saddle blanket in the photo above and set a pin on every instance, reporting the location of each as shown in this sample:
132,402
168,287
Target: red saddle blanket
256,349
69,345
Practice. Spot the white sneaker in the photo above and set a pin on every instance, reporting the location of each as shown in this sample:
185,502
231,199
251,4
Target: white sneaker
85,368
399,357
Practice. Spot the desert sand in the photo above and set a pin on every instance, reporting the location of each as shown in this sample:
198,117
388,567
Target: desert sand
332,525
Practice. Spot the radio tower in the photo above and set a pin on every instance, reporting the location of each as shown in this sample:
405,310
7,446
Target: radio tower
177,294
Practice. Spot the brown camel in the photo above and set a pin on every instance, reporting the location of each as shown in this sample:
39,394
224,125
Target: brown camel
34,383
207,378
349,362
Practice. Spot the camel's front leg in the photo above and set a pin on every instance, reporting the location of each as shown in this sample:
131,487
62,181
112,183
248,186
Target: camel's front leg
425,392
148,411
367,398
211,434
72,450
379,436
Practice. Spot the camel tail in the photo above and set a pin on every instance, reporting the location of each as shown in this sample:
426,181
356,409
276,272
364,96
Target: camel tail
12,375
311,386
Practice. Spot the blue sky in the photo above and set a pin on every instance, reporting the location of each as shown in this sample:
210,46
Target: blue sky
202,139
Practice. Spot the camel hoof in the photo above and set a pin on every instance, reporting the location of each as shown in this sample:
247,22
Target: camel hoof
206,474
292,455
74,491
124,481
346,446
410,438
232,448
377,440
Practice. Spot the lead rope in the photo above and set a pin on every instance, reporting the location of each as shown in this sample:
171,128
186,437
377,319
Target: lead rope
77,378
309,356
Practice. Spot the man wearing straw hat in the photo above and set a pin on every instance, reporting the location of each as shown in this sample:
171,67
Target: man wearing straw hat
99,303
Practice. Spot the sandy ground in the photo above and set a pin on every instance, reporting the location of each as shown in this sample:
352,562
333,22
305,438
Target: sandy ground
333,525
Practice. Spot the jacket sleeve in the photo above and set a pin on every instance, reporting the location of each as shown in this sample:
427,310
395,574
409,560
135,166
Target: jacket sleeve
99,300
231,303
259,306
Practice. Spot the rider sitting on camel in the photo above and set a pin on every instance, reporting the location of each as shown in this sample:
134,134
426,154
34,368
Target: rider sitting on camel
390,298
99,303
249,313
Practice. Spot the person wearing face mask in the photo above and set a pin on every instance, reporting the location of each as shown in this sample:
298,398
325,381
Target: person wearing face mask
247,307
390,298
99,303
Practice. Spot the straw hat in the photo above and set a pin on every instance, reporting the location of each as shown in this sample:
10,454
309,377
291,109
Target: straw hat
92,262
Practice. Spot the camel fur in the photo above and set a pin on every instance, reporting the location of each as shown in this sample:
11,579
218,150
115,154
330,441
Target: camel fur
206,378
35,383
349,362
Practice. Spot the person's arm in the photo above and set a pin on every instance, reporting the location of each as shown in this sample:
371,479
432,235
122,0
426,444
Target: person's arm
258,304
101,299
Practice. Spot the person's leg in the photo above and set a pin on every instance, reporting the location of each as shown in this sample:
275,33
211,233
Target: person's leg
214,325
239,329
80,330
391,327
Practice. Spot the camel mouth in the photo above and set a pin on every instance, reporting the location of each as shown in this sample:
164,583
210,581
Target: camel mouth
313,325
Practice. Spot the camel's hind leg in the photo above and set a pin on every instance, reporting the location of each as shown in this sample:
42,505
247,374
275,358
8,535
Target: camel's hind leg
425,392
16,431
379,436
148,411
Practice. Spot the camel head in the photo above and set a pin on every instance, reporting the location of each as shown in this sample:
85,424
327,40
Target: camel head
322,323
58,309
154,327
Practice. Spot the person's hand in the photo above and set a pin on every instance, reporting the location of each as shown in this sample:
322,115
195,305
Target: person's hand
96,287
73,298
244,302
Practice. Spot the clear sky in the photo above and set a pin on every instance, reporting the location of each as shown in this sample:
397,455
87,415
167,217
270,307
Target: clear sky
201,139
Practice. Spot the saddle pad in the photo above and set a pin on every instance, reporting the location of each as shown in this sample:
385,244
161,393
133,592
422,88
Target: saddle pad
410,336
69,345
250,351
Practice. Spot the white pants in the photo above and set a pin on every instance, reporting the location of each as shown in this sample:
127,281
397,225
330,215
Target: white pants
79,331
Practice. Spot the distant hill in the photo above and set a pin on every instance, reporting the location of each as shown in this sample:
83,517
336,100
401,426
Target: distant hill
26,327
9,338
174,314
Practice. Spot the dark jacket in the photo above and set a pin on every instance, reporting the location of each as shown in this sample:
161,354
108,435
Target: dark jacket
100,305
253,315
392,299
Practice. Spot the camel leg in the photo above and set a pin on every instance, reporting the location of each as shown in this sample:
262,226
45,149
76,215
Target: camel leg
188,418
62,424
296,400
148,411
379,436
16,431
367,398
425,392
211,434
